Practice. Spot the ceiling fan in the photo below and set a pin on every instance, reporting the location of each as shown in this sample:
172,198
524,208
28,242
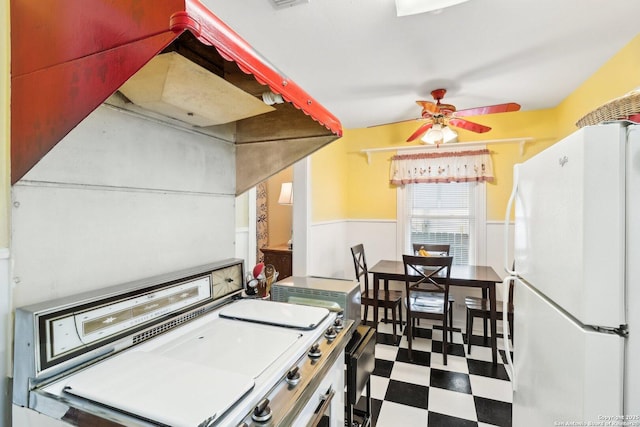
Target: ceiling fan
439,115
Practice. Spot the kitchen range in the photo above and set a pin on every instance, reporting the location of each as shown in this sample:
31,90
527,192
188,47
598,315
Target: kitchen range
182,349
140,180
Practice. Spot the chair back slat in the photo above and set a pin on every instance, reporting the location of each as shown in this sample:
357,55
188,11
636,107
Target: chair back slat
434,271
360,264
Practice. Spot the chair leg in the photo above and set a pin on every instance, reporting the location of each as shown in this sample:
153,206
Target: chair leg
484,324
469,330
366,312
409,332
393,319
444,341
451,322
400,314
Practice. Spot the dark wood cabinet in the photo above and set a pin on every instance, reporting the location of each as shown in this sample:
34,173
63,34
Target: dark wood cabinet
280,256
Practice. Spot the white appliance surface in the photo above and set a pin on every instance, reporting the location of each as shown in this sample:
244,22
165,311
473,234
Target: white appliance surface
632,359
174,392
240,347
183,379
570,223
577,246
563,372
276,313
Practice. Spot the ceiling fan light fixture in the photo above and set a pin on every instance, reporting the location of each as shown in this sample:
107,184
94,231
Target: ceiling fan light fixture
414,7
439,134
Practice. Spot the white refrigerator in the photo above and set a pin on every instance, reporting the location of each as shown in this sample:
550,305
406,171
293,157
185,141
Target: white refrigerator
577,281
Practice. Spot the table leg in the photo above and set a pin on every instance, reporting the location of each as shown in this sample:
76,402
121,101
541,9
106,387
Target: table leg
376,288
485,320
494,339
386,296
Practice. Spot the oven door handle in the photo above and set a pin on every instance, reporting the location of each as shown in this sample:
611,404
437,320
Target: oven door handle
322,407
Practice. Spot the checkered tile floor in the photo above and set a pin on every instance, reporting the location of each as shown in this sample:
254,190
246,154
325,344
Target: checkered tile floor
468,391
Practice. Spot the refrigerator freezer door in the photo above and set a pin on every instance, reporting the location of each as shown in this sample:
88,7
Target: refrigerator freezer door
569,234
564,372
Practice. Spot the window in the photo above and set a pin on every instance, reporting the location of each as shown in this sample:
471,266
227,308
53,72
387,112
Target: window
450,213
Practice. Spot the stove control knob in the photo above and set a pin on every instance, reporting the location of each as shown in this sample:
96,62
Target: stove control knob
262,412
314,351
340,314
330,333
293,376
338,324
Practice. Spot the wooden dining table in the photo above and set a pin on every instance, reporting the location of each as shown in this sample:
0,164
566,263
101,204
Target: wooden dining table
472,276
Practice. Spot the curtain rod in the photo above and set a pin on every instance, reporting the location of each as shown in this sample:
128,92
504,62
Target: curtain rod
522,142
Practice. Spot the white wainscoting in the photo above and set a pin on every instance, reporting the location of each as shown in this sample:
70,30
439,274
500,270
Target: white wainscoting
495,250
331,242
331,256
327,249
242,243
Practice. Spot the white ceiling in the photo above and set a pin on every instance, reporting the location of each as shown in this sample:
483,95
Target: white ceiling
368,66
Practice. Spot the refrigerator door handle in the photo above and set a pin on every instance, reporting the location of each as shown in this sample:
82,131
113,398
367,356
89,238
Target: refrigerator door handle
505,329
507,216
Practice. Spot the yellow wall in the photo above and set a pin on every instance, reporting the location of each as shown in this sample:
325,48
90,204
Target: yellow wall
372,197
539,124
280,217
329,182
366,186
616,77
5,178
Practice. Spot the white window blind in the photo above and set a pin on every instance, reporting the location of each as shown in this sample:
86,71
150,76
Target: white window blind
445,214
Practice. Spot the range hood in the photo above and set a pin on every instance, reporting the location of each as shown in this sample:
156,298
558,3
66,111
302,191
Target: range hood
173,86
168,59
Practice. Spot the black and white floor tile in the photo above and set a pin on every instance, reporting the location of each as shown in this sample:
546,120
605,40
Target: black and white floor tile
468,391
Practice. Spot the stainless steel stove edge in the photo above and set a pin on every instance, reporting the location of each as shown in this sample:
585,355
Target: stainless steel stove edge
287,402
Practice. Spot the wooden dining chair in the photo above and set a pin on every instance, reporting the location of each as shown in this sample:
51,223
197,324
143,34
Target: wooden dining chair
435,249
432,248
387,299
481,308
427,293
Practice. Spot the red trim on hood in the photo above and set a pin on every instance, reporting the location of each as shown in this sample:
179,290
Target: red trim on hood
69,59
211,30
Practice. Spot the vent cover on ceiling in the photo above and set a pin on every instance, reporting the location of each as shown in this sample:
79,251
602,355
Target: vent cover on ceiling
279,4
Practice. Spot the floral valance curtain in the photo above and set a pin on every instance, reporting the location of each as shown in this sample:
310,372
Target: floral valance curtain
440,167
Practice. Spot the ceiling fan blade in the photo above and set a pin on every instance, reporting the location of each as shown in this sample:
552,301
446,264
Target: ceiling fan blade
465,124
428,106
421,130
490,109
393,123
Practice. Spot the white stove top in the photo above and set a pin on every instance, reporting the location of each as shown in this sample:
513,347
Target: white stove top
276,313
200,370
160,388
